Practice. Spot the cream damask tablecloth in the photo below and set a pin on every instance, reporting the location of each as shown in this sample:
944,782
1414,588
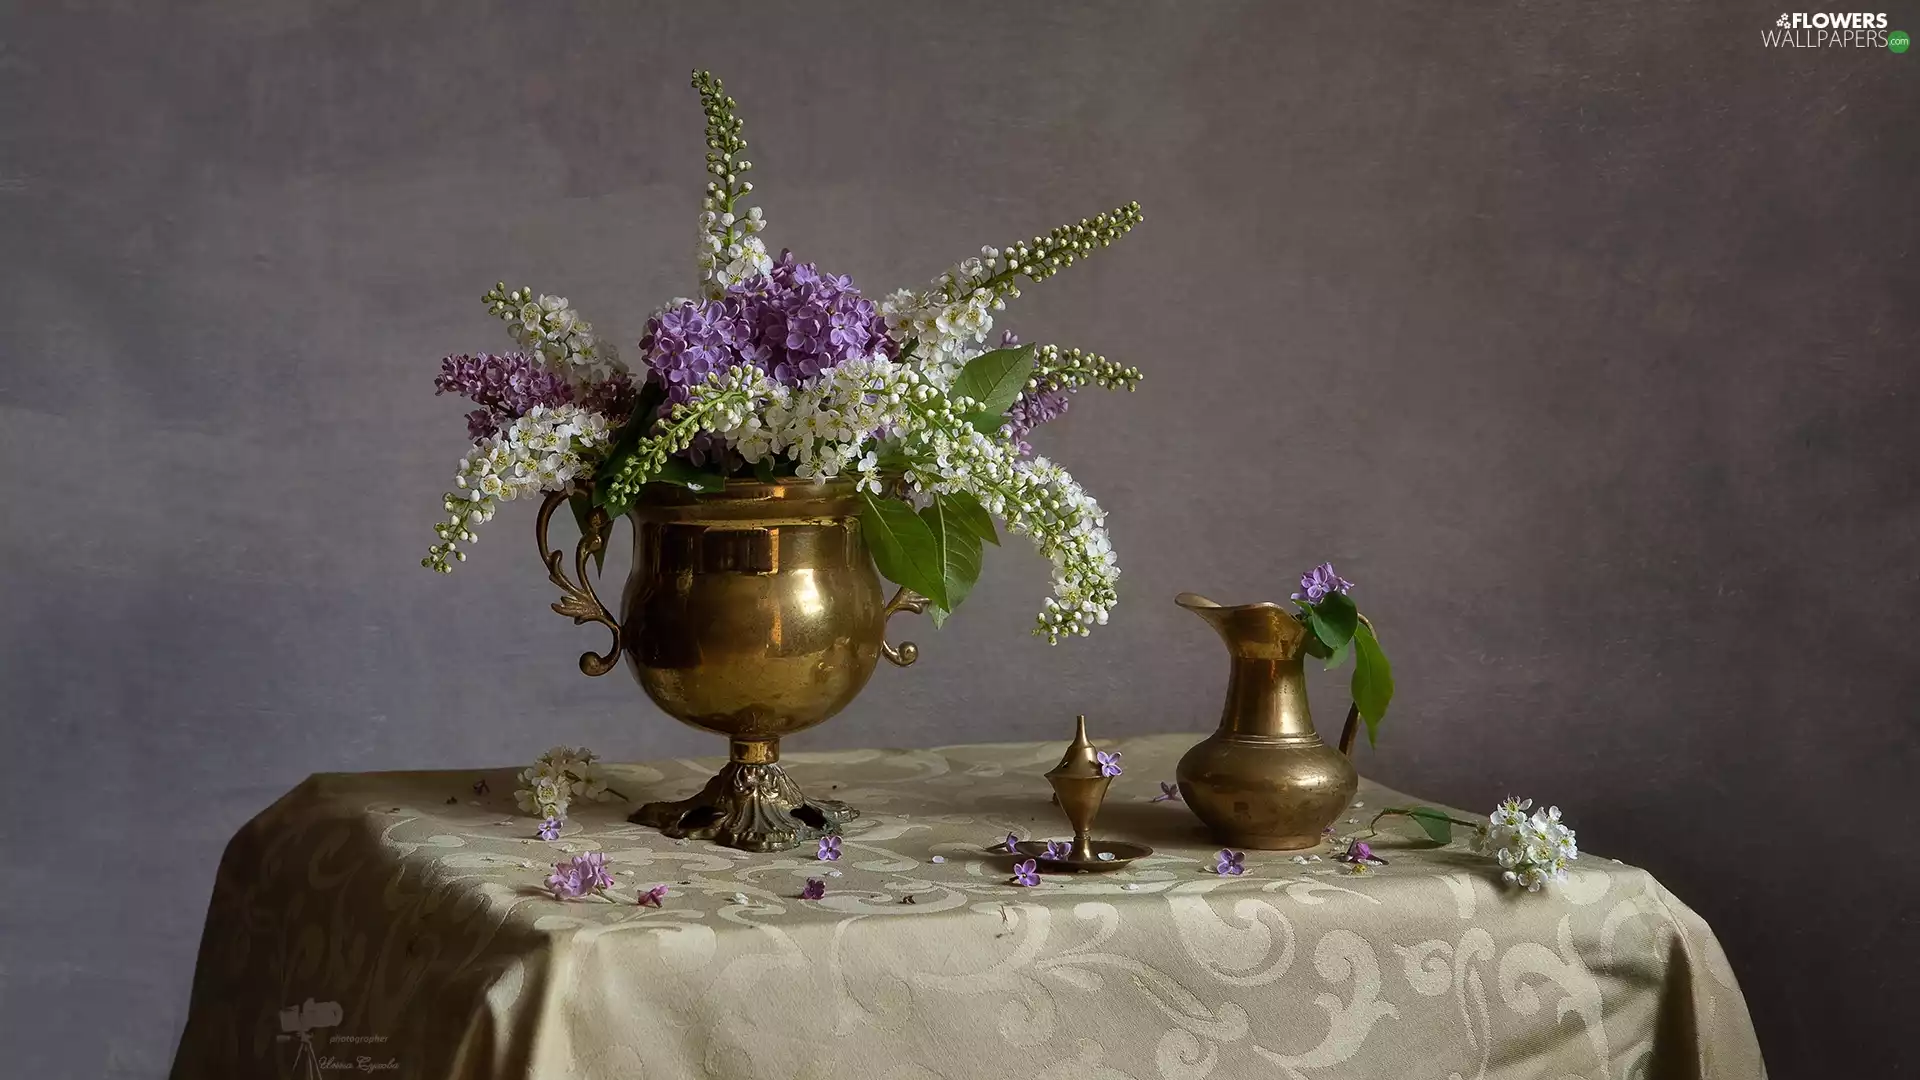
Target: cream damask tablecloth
396,924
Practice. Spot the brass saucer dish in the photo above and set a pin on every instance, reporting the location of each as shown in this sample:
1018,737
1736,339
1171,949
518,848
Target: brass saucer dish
1119,851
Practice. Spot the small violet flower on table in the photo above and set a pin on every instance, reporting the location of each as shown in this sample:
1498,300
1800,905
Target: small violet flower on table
1109,763
1229,862
582,875
1168,793
1358,856
829,849
1026,873
653,896
814,890
549,829
1058,851
1011,843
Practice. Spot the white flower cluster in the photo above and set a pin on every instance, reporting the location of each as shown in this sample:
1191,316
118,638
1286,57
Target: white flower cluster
556,778
541,451
1533,850
951,320
548,327
852,415
730,252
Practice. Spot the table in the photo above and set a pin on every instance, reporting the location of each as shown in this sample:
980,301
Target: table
401,920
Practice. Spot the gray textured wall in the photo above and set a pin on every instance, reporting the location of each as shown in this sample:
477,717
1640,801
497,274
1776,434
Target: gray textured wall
1580,335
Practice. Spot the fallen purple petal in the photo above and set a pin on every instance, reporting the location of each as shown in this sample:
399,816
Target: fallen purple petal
1058,851
653,896
1026,873
829,850
1230,862
1359,853
814,890
1168,793
1109,763
549,829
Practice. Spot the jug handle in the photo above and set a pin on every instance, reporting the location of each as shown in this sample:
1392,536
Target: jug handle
1351,730
904,600
578,600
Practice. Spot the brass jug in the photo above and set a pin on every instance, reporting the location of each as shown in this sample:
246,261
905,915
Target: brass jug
753,613
1264,780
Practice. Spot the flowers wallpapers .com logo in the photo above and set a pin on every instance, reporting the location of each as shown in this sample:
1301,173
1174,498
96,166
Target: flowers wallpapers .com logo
1831,29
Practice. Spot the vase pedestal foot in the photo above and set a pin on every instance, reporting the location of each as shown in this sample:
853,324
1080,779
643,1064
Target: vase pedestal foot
753,806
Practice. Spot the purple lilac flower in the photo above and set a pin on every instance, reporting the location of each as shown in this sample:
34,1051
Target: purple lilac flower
1011,843
1008,339
1058,851
1026,873
480,786
1359,853
612,398
1109,763
653,896
505,387
829,850
583,874
792,323
549,829
1168,793
1035,407
814,890
1230,862
1319,582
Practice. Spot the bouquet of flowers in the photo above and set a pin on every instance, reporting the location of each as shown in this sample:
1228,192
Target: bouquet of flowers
782,370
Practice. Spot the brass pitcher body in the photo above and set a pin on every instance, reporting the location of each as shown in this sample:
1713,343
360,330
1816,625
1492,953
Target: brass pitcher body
754,613
1264,780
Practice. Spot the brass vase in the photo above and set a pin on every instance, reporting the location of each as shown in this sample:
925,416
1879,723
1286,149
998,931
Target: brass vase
753,613
1264,780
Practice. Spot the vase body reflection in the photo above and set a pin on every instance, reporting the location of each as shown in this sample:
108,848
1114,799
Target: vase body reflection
1264,779
754,614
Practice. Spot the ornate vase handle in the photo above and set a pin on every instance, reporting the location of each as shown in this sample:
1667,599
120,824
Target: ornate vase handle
904,600
578,600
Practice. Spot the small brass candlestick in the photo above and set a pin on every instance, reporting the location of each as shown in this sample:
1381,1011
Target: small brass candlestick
1080,786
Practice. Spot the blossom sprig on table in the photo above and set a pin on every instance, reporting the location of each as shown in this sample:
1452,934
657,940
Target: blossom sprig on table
783,370
555,779
1338,630
1533,850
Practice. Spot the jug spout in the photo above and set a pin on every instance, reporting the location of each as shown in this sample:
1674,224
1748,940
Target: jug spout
1263,631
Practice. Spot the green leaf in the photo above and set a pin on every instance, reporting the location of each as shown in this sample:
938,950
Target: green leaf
958,549
1372,680
763,470
581,504
1337,656
1333,619
1312,644
903,547
693,478
1435,823
995,379
638,423
985,423
964,508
